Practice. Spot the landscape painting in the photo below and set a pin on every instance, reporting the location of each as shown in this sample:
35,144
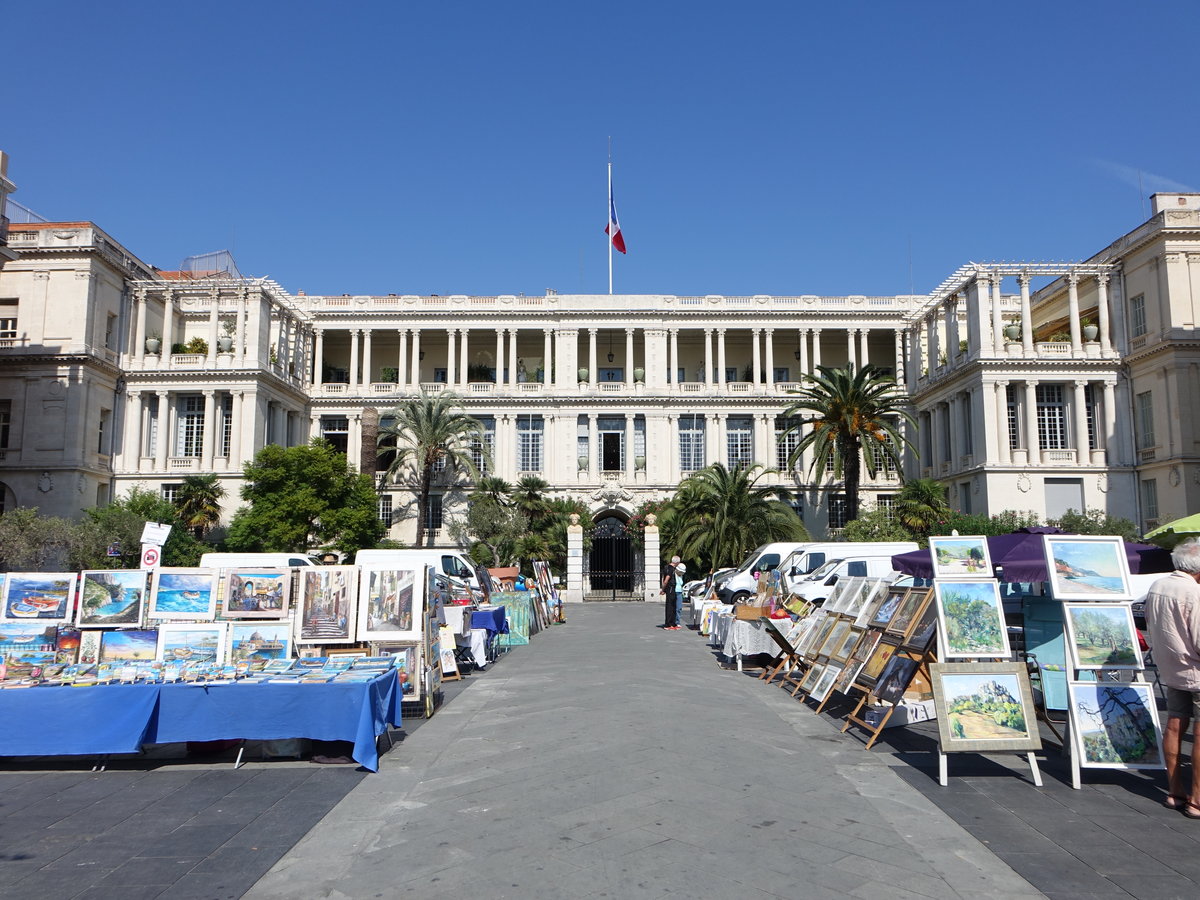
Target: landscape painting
887,608
112,597
910,607
984,706
257,593
328,595
40,596
183,594
972,620
1102,636
259,642
825,682
133,645
201,643
960,557
923,630
390,605
19,637
1087,568
1115,725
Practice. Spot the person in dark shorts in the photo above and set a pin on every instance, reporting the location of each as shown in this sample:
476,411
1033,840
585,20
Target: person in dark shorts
1173,620
668,590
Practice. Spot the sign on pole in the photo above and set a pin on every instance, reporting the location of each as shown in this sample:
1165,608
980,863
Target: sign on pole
151,556
155,533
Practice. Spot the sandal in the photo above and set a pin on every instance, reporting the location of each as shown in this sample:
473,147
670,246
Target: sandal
1174,801
1191,810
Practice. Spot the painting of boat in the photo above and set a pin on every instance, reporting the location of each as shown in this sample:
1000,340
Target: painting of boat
183,594
202,643
258,642
39,595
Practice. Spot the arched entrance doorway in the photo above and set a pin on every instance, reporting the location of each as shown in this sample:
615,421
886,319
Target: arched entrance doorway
610,563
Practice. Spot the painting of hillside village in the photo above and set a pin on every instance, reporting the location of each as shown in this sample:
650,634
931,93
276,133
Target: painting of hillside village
1115,725
983,706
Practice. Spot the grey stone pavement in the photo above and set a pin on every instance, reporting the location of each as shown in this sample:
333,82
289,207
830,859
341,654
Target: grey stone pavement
613,759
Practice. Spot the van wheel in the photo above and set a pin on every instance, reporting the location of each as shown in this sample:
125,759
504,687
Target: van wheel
741,597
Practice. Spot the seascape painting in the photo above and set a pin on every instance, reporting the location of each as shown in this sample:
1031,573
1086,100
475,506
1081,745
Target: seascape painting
960,557
183,594
111,597
203,643
390,605
972,620
1115,725
257,593
16,637
1102,636
257,643
133,645
984,706
1087,568
327,613
45,597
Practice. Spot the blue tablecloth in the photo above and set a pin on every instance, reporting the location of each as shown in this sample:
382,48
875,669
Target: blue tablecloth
494,620
119,718
265,712
66,721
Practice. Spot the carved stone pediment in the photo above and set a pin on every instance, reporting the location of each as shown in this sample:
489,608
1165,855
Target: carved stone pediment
611,493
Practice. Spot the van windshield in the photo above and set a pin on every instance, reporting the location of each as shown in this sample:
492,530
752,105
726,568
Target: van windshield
825,569
751,560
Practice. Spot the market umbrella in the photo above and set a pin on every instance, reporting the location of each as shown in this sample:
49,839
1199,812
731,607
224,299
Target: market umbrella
1173,532
1023,558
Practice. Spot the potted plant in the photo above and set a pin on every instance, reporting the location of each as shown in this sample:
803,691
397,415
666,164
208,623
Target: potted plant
1090,329
154,343
1012,330
1060,337
225,341
197,345
583,375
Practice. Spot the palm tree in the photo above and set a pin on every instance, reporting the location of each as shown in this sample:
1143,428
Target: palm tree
494,488
723,514
431,433
529,497
921,504
849,412
198,502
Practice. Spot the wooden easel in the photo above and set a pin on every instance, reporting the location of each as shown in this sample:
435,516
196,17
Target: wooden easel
868,693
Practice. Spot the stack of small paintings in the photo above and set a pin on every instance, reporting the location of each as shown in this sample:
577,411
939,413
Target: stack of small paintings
972,620
984,707
1114,725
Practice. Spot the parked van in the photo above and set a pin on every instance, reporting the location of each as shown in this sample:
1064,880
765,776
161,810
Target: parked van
450,563
819,585
249,560
805,560
739,584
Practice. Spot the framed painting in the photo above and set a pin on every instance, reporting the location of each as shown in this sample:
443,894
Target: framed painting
833,602
327,605
192,643
923,629
135,645
89,646
837,636
829,675
391,605
862,652
1114,725
257,643
111,598
873,597
39,596
1086,567
841,650
264,593
910,608
887,607
183,594
894,679
1102,636
18,637
960,557
983,707
972,620
875,663
66,644
827,625
809,682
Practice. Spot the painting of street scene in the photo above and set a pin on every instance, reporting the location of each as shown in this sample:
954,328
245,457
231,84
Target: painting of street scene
37,595
259,593
1102,636
386,611
972,619
1087,568
112,597
327,614
960,557
259,642
1115,725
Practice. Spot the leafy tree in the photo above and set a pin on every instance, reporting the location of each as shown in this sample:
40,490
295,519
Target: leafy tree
121,523
531,497
428,434
305,496
198,501
878,524
491,521
32,543
976,523
1096,521
723,514
853,417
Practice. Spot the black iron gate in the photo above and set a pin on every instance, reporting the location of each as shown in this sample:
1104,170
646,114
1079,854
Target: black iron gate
611,559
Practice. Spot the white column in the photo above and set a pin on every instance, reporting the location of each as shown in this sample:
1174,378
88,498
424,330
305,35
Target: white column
629,360
720,373
629,469
574,591
415,381
1083,455
1003,439
500,379
851,354
512,356
133,433
451,357
898,355
464,357
650,566
318,376
354,450
673,362
210,432
402,358
931,339
1031,430
164,436
951,314
1073,313
997,315
863,357
1110,423
354,382
672,444
236,451
755,359
240,337
547,356
593,448
953,428
592,357
804,370
1026,317
816,348
770,366
368,374
139,334
721,455
708,354
168,326
1102,313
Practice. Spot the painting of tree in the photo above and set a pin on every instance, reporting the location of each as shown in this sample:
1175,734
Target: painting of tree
1102,636
972,619
1115,725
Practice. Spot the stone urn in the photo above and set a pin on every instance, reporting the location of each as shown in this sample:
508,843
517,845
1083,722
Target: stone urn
639,375
153,345
583,463
639,463
1090,332
225,344
1012,332
583,375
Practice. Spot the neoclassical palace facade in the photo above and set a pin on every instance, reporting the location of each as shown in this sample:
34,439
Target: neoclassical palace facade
1035,386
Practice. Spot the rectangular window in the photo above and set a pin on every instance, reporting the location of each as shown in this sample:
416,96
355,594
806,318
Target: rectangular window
226,425
786,442
1145,420
582,432
433,513
530,430
611,433
1051,417
781,374
1150,499
5,422
968,424
639,437
8,317
102,433
1014,419
110,332
189,432
1137,315
691,443
385,510
478,456
837,511
170,492
1089,399
739,441
887,503
336,430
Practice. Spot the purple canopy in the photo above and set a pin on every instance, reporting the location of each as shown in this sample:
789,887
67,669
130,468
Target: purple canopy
1022,557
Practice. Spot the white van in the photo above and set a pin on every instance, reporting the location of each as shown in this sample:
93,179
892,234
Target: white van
810,557
819,585
450,563
739,584
249,560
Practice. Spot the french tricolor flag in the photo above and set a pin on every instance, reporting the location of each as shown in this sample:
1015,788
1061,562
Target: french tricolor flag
613,228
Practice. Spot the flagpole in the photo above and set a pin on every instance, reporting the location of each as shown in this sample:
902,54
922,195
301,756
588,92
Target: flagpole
609,230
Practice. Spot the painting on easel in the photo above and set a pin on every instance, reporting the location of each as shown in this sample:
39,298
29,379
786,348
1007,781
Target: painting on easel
983,707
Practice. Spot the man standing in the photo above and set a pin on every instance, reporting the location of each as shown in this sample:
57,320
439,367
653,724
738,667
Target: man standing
668,589
680,574
1173,620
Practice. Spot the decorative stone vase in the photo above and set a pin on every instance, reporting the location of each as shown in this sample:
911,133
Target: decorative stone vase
639,463
583,375
153,346
1090,332
225,344
583,463
1012,332
639,375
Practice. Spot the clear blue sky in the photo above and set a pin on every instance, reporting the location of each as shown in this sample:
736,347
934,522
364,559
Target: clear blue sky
450,147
